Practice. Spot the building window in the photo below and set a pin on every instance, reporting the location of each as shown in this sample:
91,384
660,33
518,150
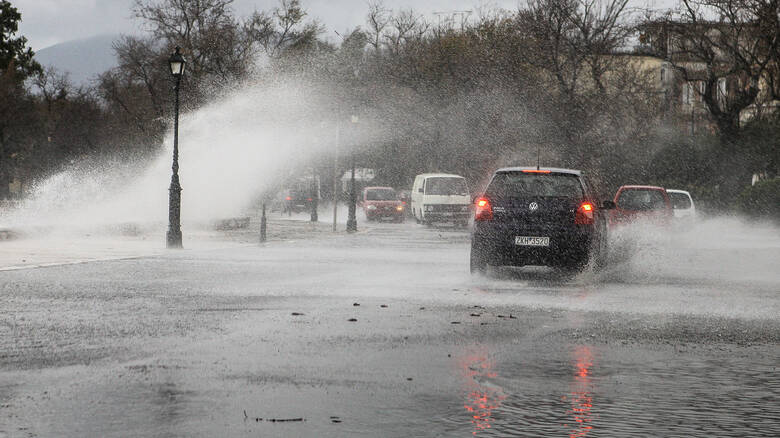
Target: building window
722,91
693,92
687,94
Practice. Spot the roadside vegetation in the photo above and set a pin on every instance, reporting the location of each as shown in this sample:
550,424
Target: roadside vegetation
551,81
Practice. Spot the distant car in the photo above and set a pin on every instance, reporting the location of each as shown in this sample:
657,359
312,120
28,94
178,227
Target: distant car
649,204
538,216
405,196
682,205
296,201
382,203
441,197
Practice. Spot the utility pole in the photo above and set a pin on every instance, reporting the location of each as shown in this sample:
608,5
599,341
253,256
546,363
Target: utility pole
336,176
352,218
314,193
263,225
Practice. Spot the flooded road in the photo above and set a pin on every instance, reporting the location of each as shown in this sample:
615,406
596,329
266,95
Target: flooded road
384,333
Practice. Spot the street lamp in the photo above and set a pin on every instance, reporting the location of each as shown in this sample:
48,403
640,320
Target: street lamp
176,63
351,219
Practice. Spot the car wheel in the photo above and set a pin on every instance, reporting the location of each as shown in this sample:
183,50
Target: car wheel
477,262
575,267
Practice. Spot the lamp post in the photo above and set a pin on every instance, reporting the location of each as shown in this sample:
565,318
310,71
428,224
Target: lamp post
336,177
351,219
314,194
263,224
176,63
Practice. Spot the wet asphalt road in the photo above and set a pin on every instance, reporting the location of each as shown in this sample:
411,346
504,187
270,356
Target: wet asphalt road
384,333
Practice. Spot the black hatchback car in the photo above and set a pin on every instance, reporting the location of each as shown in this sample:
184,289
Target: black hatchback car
538,216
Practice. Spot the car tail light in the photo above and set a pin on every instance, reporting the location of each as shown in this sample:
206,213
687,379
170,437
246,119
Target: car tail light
289,198
483,211
309,199
400,208
584,214
535,171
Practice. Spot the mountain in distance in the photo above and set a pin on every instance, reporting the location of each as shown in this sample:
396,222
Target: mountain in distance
84,59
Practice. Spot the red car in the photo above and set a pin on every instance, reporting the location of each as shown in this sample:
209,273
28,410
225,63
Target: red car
647,203
382,203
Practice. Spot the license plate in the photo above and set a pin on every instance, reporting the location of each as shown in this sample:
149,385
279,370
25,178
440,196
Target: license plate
532,241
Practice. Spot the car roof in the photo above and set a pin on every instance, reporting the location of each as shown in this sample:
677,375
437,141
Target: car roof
551,169
379,188
427,175
684,192
638,187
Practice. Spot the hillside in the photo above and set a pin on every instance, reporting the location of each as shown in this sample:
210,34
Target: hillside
84,59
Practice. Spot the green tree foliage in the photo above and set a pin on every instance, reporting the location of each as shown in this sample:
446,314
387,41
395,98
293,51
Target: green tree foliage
12,49
16,64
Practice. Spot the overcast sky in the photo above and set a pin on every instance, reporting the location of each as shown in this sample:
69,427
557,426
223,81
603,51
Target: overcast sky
48,22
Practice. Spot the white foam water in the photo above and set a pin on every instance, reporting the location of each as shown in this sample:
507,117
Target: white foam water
230,151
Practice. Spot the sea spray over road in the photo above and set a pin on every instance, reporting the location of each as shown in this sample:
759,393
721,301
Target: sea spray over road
230,152
720,250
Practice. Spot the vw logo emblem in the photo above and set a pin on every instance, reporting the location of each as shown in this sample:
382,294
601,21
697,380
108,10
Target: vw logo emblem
533,206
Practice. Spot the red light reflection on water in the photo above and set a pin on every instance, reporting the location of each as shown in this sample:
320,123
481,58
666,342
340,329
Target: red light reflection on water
481,400
581,397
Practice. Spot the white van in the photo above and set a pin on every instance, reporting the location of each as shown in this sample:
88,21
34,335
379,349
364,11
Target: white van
441,197
682,204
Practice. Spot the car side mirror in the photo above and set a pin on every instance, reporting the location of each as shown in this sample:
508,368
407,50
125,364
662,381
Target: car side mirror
608,205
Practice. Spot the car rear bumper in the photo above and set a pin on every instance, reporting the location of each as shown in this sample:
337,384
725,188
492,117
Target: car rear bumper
435,216
376,214
567,247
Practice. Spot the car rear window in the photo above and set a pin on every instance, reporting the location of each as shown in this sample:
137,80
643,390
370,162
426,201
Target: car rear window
380,195
641,199
680,201
524,185
445,185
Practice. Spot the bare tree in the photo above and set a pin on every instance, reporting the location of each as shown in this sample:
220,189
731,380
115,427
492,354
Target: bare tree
282,28
377,20
723,42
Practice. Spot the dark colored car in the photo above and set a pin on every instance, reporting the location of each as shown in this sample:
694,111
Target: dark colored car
405,196
296,201
382,203
650,204
538,216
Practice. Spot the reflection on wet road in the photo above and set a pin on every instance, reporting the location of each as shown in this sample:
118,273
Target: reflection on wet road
481,398
566,392
581,397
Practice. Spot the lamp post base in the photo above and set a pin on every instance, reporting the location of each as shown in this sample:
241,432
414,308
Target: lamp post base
174,239
263,225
